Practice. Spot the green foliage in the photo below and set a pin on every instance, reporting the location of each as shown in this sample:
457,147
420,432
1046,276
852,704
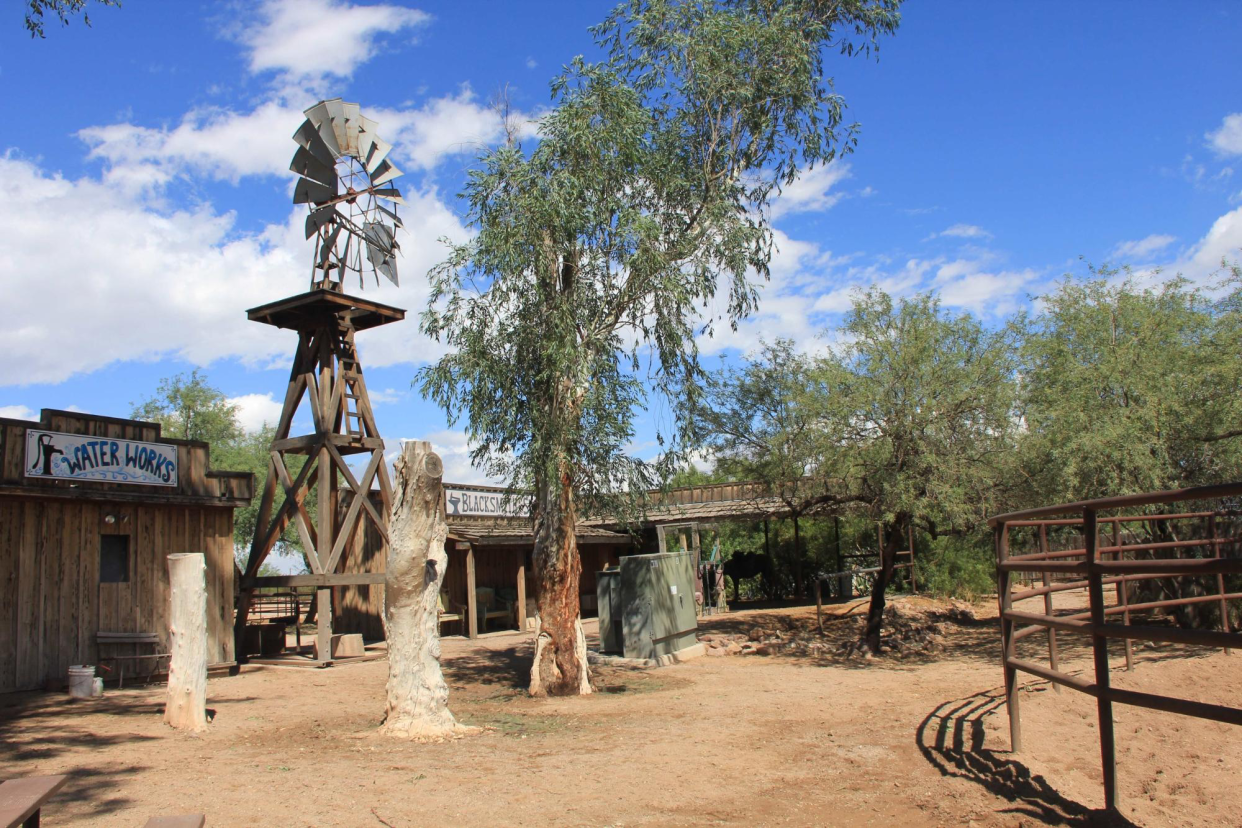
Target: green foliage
187,407
1132,388
649,187
916,408
958,566
759,420
63,9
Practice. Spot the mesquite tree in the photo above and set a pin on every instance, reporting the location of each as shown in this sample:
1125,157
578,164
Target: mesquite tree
917,413
599,248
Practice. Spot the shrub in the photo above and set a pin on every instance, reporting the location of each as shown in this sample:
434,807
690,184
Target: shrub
958,566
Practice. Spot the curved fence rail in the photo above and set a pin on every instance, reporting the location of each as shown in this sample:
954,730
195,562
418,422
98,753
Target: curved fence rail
1075,549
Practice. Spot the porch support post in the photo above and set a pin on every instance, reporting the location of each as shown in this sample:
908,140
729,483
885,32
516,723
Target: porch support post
472,608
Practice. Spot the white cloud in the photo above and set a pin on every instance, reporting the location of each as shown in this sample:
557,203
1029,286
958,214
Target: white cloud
227,145
257,410
1143,247
531,63
962,231
215,142
17,412
387,396
443,127
309,41
811,192
1227,138
92,275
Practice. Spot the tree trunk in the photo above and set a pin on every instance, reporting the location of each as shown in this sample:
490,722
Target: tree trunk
875,613
560,666
417,560
799,592
186,708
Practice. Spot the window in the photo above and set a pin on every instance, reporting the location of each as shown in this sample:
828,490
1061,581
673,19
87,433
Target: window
113,559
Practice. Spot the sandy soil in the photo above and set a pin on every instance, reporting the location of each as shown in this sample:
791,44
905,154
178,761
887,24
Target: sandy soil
791,739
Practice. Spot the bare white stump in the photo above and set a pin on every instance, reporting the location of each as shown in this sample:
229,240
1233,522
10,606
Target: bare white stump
186,708
417,693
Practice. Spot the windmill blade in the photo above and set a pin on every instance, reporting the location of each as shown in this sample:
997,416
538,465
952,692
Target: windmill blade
335,108
388,267
378,153
390,193
380,237
319,116
318,218
350,147
308,136
368,131
308,166
385,172
396,220
308,191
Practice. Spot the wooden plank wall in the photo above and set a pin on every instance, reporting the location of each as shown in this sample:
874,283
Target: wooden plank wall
360,609
51,601
194,477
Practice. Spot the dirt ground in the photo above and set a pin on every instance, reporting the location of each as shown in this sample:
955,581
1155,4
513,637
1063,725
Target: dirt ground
806,736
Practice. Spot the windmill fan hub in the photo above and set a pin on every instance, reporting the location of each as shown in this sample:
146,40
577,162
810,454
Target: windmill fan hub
338,150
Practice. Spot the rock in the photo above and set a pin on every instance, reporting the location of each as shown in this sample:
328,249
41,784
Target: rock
733,648
716,651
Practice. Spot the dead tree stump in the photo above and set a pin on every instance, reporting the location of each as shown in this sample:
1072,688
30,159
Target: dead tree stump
186,708
417,560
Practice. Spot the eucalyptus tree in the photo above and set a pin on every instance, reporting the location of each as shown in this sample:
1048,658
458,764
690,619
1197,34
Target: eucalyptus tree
917,414
598,249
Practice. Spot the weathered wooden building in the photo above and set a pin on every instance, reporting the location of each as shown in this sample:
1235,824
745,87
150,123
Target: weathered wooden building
90,507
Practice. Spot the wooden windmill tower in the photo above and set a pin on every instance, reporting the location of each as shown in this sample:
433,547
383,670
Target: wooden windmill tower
344,180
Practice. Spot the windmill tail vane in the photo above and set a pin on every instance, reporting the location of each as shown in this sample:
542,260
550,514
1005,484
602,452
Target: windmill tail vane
346,182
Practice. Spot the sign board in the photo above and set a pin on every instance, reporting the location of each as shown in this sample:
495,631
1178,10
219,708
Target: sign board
470,503
102,459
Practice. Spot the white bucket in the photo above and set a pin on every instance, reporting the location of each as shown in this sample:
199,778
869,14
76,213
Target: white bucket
82,681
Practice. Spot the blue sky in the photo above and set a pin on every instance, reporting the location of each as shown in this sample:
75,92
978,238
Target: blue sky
147,203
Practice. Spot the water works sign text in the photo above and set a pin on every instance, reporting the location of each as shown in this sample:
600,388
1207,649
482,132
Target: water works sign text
102,459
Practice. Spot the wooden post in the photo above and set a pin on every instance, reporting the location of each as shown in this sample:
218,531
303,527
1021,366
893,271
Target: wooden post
521,593
914,584
186,708
1053,656
1012,702
471,599
1099,646
819,606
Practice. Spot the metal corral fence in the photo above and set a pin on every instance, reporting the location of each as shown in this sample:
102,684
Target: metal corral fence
1185,554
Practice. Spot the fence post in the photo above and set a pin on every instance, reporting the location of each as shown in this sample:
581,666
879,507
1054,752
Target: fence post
1001,539
1123,595
1099,646
1220,579
1053,656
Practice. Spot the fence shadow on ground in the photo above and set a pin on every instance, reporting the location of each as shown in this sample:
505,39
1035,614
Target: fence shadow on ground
951,738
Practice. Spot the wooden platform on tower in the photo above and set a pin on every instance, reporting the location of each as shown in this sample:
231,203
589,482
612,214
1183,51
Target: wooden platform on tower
327,374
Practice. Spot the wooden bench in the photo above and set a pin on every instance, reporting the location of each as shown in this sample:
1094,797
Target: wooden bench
446,617
22,799
185,821
125,639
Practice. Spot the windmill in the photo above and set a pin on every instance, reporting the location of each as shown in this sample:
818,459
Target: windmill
345,179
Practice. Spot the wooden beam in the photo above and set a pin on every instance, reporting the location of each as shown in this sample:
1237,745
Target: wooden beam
521,593
325,579
471,598
351,517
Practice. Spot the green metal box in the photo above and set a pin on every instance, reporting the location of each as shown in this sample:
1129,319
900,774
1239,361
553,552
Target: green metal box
657,609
